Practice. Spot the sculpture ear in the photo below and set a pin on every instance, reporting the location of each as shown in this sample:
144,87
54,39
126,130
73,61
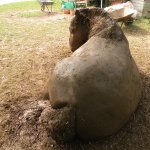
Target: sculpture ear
77,13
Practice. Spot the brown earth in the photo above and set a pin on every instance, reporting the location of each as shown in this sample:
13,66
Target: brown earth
29,49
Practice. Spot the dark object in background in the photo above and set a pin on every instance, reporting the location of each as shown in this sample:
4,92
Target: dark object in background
45,3
97,3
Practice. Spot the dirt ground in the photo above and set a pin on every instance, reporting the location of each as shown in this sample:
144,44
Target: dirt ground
29,49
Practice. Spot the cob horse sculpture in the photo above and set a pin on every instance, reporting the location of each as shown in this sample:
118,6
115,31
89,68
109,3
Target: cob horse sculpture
100,79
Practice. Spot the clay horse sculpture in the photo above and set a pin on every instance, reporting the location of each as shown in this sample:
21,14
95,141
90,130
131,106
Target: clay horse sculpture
100,79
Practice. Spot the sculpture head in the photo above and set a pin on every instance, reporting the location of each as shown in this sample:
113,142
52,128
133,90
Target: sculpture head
79,29
92,22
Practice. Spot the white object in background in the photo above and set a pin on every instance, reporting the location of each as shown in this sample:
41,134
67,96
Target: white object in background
121,10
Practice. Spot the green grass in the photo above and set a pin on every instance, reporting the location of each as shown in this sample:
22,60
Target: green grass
25,6
29,5
141,25
31,14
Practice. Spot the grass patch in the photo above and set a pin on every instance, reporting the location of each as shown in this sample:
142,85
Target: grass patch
31,14
29,48
19,6
26,6
139,26
143,23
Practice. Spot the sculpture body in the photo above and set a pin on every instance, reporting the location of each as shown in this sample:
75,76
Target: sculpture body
100,79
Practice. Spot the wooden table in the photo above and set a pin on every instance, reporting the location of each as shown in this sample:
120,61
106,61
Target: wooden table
46,4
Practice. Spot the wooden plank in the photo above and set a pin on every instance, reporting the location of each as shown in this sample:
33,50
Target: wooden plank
138,5
146,9
142,6
147,1
137,1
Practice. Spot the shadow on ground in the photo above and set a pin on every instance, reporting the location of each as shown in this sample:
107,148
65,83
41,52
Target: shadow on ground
134,136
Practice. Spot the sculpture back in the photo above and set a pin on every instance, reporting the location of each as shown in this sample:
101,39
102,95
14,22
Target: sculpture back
100,79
